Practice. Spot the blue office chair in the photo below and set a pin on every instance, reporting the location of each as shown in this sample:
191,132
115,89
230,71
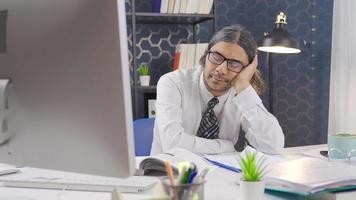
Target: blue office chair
143,135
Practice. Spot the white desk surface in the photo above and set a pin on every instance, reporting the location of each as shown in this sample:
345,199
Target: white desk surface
221,184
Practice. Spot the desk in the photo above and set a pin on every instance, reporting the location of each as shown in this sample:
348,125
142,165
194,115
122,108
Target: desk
220,185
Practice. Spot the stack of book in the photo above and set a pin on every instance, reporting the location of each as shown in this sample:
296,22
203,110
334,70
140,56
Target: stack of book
307,176
183,6
188,55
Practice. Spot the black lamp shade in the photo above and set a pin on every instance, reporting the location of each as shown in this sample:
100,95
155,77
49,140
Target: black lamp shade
279,40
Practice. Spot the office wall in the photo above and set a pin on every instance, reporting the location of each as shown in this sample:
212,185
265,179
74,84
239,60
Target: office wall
301,82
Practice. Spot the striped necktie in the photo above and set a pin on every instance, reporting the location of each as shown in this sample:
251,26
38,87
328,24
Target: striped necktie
209,124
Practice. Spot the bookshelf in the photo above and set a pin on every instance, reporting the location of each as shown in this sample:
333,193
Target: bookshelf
141,94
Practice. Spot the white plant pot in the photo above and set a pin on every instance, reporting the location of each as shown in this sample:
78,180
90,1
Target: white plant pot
145,80
252,190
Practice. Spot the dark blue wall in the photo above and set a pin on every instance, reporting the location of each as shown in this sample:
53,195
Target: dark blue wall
301,82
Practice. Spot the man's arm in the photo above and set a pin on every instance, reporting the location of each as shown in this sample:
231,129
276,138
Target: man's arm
262,129
169,123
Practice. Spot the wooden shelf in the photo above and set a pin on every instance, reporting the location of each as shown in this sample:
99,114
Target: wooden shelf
165,18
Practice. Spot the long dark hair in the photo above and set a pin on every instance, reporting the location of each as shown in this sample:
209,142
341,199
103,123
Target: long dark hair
237,34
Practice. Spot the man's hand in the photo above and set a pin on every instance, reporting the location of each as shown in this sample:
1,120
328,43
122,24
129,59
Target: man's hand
242,79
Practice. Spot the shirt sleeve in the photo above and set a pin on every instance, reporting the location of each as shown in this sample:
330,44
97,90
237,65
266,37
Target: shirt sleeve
262,129
169,123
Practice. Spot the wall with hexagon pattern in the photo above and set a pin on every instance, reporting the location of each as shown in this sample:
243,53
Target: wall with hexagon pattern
301,81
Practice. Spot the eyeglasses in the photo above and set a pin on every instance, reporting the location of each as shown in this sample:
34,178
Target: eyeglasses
232,65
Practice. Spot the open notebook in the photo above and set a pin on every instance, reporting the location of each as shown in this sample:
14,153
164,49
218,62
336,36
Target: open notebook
311,175
154,165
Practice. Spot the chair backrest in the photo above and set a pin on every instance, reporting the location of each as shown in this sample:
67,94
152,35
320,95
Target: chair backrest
143,135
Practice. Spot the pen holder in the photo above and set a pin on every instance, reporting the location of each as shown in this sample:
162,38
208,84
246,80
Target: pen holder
189,191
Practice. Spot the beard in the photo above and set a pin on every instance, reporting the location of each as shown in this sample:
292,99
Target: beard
217,84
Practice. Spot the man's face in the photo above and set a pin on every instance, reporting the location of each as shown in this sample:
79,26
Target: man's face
218,78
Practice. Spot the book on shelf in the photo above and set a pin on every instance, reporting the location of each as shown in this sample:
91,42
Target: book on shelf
156,6
176,6
199,51
183,51
307,176
176,58
206,8
192,6
170,6
154,165
182,6
201,8
188,55
164,6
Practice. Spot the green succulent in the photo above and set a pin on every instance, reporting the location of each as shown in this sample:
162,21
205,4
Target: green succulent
253,168
144,69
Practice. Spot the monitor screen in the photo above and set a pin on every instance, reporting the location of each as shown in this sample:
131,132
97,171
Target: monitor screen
69,98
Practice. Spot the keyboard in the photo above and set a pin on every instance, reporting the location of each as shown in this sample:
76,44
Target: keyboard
50,179
131,185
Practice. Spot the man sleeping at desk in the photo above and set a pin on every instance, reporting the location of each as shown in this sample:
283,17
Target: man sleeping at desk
203,109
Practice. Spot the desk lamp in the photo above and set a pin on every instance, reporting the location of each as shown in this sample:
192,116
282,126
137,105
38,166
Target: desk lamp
277,41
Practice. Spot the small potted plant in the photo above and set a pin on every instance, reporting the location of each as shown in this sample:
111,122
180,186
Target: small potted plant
253,170
144,72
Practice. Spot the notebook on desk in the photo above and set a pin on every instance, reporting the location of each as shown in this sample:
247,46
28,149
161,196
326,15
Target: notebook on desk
311,175
154,165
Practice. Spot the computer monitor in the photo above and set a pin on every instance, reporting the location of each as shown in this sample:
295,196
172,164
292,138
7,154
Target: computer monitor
69,97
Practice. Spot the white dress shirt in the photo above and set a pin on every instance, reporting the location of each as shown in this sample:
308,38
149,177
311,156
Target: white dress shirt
182,97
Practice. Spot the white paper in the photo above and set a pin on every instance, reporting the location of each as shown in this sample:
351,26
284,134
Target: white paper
181,155
315,153
231,159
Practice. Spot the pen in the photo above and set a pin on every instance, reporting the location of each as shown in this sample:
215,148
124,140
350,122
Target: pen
234,169
192,176
181,165
181,175
8,171
201,176
169,172
186,176
193,166
170,177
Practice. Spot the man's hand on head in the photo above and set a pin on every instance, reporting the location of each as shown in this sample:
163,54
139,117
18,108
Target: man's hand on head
242,79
